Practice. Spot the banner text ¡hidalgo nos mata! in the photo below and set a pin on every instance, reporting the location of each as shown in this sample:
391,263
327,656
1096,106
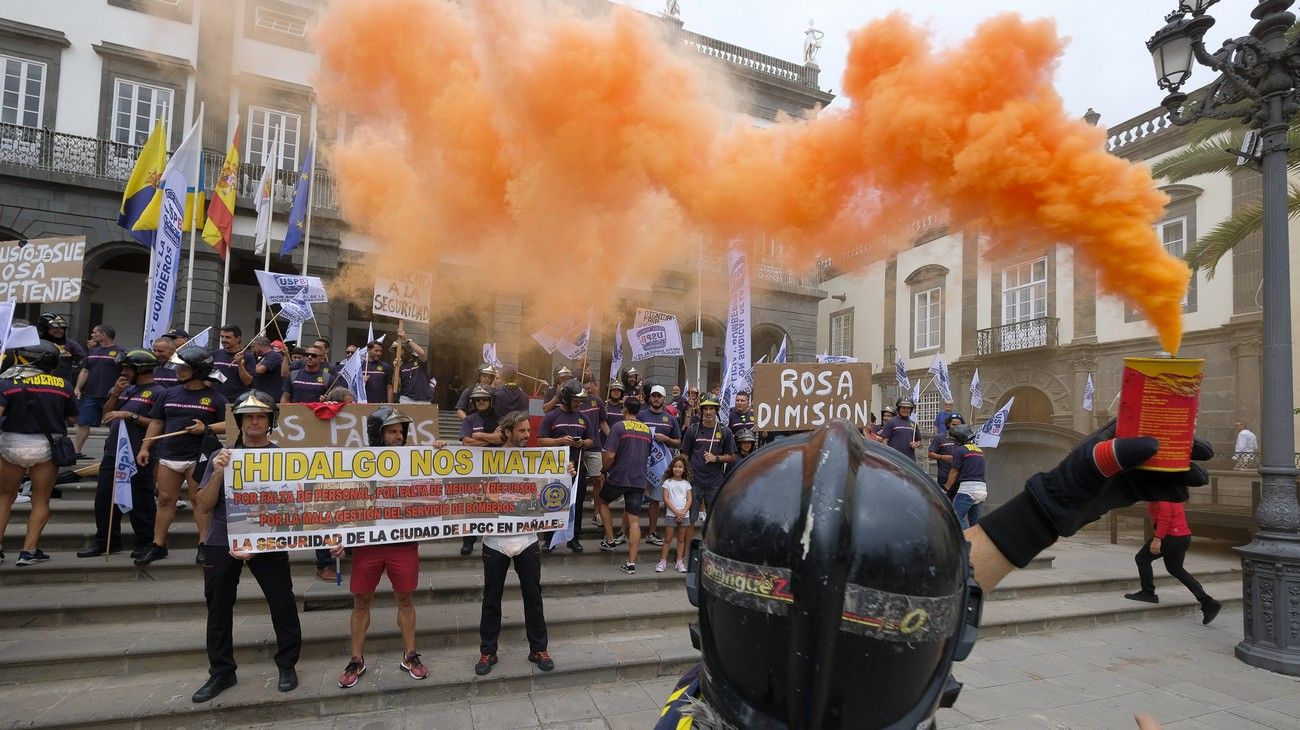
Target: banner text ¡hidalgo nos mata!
300,499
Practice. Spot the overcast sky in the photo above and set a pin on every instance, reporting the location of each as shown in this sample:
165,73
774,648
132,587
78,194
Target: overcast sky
1106,65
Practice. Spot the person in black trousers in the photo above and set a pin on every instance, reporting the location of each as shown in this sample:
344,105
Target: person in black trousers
1170,542
128,405
255,414
498,553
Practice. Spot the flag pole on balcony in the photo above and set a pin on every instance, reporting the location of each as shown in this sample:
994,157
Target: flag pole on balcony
264,202
311,193
198,186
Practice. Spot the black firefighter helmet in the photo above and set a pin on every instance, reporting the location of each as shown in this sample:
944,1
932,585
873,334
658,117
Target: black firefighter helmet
386,416
141,361
198,360
858,579
44,355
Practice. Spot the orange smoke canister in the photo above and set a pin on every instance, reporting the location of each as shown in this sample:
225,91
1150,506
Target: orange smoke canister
1159,397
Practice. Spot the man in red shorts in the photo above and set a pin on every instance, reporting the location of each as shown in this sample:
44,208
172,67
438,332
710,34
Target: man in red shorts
387,426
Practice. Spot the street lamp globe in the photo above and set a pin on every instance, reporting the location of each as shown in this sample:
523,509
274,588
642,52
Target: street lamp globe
1172,48
1195,7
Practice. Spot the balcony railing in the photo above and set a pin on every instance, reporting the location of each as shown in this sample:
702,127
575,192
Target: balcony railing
746,58
69,154
1026,335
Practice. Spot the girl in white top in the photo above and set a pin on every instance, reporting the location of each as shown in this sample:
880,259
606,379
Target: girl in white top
677,499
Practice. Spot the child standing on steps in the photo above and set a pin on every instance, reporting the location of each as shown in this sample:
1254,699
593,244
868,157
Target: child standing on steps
677,498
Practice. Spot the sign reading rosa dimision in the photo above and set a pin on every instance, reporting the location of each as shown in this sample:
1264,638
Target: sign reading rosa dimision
44,270
304,498
804,396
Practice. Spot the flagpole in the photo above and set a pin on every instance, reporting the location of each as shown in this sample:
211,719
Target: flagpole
277,154
311,194
230,245
194,217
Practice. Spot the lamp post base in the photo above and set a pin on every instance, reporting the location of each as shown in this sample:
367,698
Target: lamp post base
1271,601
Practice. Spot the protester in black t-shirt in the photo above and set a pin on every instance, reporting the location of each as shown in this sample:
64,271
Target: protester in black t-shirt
311,381
225,360
415,386
198,411
54,328
34,405
479,429
164,376
99,370
264,375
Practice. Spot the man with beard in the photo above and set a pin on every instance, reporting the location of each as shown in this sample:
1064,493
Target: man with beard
377,374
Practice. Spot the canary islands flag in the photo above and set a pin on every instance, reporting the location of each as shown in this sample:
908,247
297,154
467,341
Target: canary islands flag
143,184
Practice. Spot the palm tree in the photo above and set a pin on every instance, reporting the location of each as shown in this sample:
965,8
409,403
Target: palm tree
1211,149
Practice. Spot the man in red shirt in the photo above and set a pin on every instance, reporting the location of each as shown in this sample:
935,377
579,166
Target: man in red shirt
1172,538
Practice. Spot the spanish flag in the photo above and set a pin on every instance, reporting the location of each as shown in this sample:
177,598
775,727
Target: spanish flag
143,183
221,214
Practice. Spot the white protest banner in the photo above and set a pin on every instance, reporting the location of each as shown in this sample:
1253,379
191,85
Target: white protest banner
661,339
990,434
42,270
550,336
803,396
737,356
166,259
834,359
6,322
280,288
573,344
651,316
405,295
304,499
298,311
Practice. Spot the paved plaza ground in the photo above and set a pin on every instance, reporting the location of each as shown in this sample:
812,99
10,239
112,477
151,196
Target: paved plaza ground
1174,669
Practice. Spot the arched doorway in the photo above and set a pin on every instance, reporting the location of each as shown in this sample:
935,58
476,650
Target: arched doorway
1032,405
766,340
1025,449
107,280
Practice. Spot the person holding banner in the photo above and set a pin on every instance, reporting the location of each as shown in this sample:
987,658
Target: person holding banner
741,415
524,551
941,451
487,375
37,406
129,402
479,429
668,433
551,396
180,420
387,426
377,374
567,426
415,378
98,373
224,361
710,447
899,432
255,416
264,375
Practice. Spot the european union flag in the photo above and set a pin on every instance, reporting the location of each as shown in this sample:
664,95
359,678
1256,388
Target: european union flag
298,214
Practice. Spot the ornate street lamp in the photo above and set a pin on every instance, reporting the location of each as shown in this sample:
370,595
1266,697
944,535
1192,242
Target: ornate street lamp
1259,75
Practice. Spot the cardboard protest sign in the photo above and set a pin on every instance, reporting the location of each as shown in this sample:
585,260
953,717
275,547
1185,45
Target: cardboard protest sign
42,270
405,295
298,426
804,396
309,498
651,316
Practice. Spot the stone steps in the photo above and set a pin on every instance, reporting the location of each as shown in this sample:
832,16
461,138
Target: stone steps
156,698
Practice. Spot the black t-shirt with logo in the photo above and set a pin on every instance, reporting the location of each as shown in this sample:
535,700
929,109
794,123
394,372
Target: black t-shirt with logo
271,382
102,371
415,382
178,408
49,397
226,363
304,387
165,377
137,399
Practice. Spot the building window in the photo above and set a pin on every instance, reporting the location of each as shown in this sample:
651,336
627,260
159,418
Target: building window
842,332
1024,291
136,107
278,22
22,91
927,316
262,126
1173,236
927,408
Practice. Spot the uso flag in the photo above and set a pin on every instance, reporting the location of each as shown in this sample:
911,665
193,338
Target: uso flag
990,434
660,339
124,469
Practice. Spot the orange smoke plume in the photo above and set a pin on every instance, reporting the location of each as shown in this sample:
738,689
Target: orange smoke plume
546,147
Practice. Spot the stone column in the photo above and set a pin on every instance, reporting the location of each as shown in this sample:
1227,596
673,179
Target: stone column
1247,351
1083,363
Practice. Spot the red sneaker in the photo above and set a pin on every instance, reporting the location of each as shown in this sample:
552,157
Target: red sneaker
352,672
414,667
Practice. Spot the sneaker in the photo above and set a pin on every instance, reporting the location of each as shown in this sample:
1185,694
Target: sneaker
413,666
352,672
700,520
151,553
184,504
485,662
1143,596
327,574
201,555
608,546
661,566
32,558
681,567
22,499
620,539
1209,610
599,521
655,540
542,659
629,568
139,550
